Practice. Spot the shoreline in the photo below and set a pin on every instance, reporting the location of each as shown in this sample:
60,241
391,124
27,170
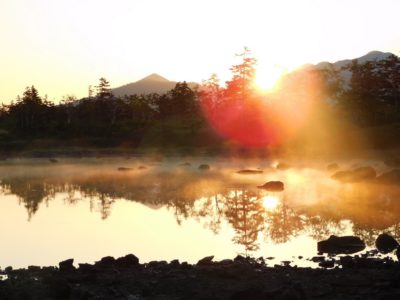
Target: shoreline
359,277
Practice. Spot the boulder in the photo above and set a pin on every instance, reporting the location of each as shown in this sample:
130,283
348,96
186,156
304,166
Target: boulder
204,167
392,162
124,169
127,261
356,175
341,245
249,172
107,261
205,261
272,186
53,160
66,265
386,243
282,166
391,177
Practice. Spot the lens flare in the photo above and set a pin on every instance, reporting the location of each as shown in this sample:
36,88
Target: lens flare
257,122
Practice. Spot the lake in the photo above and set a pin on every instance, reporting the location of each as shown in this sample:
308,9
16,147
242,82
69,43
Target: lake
169,209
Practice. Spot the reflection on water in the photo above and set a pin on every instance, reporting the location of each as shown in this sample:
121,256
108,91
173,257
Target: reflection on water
224,203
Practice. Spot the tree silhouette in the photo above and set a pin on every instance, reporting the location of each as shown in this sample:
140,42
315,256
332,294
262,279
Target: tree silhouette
241,86
103,89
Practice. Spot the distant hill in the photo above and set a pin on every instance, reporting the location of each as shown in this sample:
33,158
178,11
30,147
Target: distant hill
342,66
153,83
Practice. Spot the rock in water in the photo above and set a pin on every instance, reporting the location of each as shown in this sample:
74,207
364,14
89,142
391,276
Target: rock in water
341,245
359,174
124,169
273,186
204,167
282,166
386,243
249,172
391,177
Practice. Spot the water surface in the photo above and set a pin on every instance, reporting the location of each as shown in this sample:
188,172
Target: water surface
163,210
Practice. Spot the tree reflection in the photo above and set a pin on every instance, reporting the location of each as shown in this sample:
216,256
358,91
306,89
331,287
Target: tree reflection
283,223
214,200
244,211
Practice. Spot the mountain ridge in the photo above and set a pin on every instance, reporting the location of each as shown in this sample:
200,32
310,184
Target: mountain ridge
153,83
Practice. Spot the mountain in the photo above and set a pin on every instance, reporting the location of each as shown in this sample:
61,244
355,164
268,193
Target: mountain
345,74
370,56
153,83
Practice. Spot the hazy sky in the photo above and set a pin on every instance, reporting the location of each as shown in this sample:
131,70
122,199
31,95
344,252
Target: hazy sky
63,46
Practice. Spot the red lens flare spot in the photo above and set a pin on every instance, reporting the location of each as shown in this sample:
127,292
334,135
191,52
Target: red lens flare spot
255,123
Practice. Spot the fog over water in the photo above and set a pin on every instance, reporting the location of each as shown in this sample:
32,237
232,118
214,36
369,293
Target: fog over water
163,209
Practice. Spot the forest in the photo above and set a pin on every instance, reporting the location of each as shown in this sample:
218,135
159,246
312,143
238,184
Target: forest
310,97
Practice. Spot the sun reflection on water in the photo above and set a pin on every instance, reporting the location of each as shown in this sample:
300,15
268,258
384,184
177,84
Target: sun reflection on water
270,202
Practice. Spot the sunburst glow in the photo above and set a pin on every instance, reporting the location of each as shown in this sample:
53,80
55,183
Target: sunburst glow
267,78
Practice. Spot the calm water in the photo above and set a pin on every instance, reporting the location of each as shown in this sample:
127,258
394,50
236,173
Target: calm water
87,209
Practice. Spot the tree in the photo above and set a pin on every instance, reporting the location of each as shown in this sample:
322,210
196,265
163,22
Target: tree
103,89
241,86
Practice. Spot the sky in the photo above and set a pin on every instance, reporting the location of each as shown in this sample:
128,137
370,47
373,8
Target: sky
63,46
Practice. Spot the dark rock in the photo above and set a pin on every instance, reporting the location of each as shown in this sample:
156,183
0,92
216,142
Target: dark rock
226,262
332,167
282,166
386,243
107,261
205,261
339,245
127,261
327,264
66,265
318,259
174,262
391,177
359,174
346,261
86,267
273,186
392,162
364,173
204,167
240,259
8,269
157,264
34,268
249,172
124,169
53,160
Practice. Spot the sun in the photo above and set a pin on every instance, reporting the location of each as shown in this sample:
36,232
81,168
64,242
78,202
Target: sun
267,77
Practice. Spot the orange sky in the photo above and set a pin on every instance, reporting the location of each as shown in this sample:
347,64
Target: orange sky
63,46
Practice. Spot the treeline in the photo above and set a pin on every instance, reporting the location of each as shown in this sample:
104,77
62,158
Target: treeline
366,94
99,116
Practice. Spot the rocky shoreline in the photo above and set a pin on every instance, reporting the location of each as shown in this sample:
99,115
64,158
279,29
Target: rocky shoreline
363,276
